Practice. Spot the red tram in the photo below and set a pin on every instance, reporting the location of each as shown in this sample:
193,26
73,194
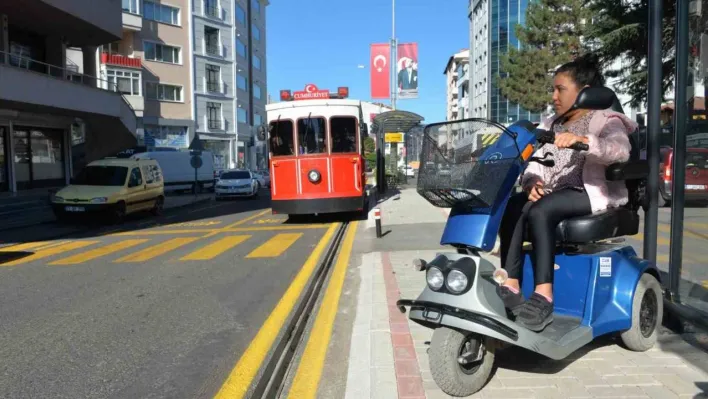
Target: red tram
316,149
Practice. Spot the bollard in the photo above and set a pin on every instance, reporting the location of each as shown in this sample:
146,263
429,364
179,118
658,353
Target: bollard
377,217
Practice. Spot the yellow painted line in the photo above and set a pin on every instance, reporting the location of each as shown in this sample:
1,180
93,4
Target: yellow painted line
310,368
162,232
55,250
98,252
686,233
216,248
704,283
238,223
659,241
276,228
157,250
212,232
31,246
275,246
241,377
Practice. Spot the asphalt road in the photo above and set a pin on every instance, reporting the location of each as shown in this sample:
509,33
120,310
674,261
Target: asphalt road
161,307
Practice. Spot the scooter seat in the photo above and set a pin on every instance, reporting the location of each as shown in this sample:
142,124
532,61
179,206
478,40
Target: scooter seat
610,223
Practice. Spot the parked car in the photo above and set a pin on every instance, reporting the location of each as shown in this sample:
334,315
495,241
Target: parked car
237,183
263,177
696,185
114,187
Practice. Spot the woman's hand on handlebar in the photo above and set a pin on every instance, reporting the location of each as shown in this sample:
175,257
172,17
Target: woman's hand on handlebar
536,192
570,140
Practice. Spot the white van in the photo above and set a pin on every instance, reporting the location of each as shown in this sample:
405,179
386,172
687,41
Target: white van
178,172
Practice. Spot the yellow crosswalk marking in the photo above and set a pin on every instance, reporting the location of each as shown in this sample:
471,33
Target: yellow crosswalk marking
32,246
216,248
157,250
98,252
275,246
54,250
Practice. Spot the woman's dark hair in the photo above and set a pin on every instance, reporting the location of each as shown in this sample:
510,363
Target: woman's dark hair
585,71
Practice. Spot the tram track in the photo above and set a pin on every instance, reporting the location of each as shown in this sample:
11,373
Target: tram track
275,372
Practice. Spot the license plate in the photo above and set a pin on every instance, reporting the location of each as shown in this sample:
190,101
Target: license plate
75,209
695,187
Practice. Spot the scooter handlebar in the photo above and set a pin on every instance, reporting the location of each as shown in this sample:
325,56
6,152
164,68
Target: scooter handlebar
546,137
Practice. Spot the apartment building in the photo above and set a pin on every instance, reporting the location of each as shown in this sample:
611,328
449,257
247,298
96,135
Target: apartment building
54,116
194,67
492,25
230,79
457,79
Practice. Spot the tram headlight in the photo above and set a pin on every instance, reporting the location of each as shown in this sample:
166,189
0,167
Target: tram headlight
314,176
435,278
456,281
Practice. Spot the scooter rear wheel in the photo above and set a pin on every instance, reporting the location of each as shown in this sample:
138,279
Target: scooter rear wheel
647,312
455,379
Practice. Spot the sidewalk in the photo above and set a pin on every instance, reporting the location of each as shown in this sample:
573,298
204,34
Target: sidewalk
387,355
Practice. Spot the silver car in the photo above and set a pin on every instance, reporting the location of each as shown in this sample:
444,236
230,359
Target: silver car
237,183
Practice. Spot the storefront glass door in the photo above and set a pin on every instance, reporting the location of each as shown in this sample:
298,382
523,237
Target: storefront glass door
39,157
4,180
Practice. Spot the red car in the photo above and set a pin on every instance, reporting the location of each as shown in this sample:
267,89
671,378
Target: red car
696,175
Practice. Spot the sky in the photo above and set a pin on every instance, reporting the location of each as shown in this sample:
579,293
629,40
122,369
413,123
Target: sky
324,41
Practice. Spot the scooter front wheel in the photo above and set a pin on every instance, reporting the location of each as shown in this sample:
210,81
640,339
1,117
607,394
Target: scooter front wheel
460,362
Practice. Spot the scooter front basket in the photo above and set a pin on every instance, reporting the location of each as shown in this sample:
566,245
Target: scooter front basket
465,163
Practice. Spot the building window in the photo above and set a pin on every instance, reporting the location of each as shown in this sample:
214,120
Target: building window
257,120
163,92
213,78
240,15
241,82
211,41
131,6
256,32
242,115
256,6
256,62
211,8
240,48
256,91
161,53
124,82
214,115
161,13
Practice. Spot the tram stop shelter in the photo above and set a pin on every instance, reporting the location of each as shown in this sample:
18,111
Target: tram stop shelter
391,122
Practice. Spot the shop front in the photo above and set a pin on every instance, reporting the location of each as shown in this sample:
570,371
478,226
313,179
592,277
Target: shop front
4,181
220,149
39,160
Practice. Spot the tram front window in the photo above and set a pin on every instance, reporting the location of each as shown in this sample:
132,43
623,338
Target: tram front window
343,132
311,136
282,138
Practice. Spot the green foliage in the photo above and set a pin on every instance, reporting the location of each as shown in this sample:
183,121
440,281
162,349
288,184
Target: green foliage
621,31
370,151
553,35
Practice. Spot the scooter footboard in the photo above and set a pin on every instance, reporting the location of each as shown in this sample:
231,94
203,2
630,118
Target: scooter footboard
434,315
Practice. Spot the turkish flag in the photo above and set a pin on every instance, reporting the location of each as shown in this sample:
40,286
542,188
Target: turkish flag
380,70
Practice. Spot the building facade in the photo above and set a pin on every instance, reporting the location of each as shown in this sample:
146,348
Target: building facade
56,112
197,67
457,80
492,33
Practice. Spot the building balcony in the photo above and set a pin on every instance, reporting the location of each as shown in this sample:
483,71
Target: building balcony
33,86
81,22
132,22
121,60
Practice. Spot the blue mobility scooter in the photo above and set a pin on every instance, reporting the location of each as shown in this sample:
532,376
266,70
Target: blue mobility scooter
601,286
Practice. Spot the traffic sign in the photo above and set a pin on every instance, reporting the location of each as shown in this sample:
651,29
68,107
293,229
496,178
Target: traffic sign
196,161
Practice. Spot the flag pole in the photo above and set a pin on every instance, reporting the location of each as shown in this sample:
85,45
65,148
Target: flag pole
394,56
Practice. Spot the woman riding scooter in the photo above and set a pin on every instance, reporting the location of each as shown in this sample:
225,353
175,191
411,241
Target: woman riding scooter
575,186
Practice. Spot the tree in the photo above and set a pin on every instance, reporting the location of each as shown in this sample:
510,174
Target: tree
553,35
370,151
620,29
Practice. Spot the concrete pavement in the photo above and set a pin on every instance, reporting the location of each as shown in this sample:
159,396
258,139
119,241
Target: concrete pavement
387,356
